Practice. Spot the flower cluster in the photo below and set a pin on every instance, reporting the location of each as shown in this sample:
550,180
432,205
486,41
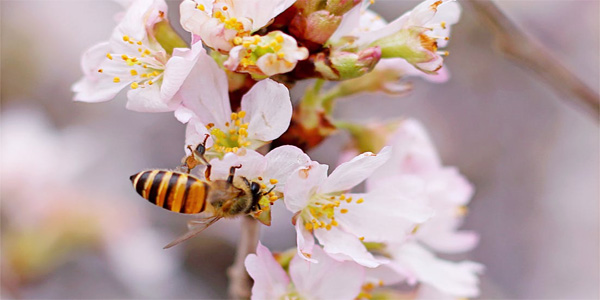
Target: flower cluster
380,216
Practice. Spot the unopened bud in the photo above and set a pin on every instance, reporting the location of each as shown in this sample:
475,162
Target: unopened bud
341,65
340,7
316,28
306,7
411,44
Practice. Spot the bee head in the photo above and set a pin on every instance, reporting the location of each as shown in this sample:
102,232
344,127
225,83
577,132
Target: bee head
256,191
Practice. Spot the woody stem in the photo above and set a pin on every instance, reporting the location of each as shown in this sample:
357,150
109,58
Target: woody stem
240,283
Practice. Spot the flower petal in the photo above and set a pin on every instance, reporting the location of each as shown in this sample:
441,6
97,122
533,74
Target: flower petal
345,246
301,185
195,133
205,91
270,280
376,222
261,12
305,241
350,22
252,162
282,161
327,279
269,110
455,279
148,99
350,174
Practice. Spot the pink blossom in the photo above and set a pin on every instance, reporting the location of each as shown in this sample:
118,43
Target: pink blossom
134,58
222,24
328,279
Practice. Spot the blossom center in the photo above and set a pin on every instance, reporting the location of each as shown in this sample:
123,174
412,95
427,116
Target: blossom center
222,13
322,209
231,138
145,68
256,46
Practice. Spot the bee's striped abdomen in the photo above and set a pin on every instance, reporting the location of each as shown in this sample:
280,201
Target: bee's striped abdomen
174,191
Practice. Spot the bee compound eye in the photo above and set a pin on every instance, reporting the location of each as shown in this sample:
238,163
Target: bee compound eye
255,188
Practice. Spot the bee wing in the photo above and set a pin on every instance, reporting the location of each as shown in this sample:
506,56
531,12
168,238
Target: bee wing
195,227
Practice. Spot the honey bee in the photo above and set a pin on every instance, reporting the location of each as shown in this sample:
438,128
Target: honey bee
184,193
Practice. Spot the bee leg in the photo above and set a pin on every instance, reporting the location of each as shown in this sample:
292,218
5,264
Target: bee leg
207,172
232,173
200,152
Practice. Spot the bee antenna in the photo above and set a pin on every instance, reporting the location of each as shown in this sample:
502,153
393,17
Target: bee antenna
270,190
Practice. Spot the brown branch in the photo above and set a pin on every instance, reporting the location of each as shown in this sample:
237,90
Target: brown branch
240,284
530,54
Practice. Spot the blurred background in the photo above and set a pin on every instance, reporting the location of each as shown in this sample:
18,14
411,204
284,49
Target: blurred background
72,226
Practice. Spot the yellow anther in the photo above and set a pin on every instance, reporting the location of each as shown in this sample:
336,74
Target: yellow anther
273,44
144,75
150,82
210,125
218,14
343,210
124,57
246,44
200,7
328,227
109,56
126,38
273,181
133,72
361,200
134,85
280,55
443,24
349,199
237,40
273,198
116,79
263,186
279,38
234,116
155,73
140,50
225,8
369,286
100,71
308,226
380,282
362,238
147,52
322,224
139,43
342,197
334,223
242,114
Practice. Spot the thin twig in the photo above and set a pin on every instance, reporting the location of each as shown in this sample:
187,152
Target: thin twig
240,284
530,54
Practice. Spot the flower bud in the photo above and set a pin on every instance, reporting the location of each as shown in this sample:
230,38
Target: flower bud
316,27
413,45
340,7
341,65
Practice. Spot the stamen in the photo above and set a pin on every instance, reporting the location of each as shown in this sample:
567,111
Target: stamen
134,85
116,79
